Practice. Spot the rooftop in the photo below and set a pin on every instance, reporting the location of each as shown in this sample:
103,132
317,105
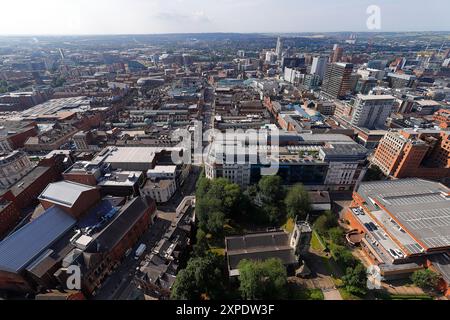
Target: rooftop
19,249
259,246
64,193
420,207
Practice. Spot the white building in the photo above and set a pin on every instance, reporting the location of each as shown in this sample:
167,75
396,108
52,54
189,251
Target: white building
160,190
319,66
162,172
372,111
293,76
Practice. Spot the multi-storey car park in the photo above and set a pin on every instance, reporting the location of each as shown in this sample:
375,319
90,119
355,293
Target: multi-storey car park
405,226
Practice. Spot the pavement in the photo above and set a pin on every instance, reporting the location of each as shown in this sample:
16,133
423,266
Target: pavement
118,284
322,277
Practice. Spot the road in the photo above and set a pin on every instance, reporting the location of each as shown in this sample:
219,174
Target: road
116,284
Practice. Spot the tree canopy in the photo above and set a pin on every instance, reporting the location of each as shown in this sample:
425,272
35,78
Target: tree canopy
355,280
263,279
203,277
325,222
217,200
425,279
298,203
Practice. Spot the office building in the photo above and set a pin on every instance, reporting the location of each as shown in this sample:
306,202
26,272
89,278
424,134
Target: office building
319,66
414,153
279,49
372,111
338,52
337,82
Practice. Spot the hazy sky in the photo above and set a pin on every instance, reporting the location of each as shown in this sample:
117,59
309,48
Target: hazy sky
179,16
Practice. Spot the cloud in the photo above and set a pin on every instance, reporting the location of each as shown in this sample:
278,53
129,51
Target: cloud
174,17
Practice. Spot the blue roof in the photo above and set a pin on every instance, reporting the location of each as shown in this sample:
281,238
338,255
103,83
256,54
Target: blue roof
19,249
317,117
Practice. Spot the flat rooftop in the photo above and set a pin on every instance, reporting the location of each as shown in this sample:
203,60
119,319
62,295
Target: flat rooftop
376,97
420,207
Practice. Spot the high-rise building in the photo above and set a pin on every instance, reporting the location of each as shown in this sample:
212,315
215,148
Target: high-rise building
271,57
241,54
372,111
279,50
337,81
338,52
319,66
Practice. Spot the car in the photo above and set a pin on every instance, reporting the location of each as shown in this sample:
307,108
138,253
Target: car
399,253
393,253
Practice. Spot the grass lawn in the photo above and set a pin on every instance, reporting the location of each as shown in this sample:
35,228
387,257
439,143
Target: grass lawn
347,295
316,243
298,293
387,296
289,225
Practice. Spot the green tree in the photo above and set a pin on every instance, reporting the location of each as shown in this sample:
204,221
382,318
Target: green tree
425,279
343,256
202,187
232,199
336,235
271,189
263,279
325,222
216,221
202,278
298,203
201,244
355,280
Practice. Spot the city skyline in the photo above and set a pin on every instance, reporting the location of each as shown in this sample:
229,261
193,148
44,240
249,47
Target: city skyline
81,17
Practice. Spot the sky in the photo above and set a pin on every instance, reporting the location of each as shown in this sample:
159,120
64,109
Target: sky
30,17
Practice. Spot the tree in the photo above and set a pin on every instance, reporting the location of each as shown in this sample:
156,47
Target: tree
201,245
203,208
355,280
325,222
336,235
271,189
425,279
202,277
343,256
262,279
232,199
216,221
297,202
202,186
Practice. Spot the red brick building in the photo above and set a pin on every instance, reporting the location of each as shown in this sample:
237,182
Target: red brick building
407,153
74,198
9,214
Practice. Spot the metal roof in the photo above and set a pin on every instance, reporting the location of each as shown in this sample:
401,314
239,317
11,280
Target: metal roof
421,206
23,246
64,193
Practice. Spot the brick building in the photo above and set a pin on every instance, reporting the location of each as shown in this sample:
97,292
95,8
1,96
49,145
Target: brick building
405,226
409,153
9,214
